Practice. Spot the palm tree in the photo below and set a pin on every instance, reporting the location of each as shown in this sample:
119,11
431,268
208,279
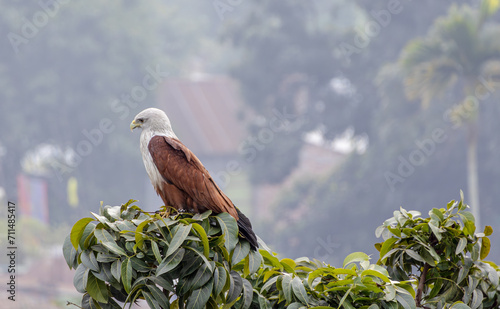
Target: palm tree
459,52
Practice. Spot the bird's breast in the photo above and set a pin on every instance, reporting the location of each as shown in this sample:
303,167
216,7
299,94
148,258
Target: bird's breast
149,164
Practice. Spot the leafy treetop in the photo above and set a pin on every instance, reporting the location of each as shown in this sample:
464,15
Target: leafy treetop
198,261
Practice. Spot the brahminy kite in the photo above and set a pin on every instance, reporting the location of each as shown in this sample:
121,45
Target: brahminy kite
177,174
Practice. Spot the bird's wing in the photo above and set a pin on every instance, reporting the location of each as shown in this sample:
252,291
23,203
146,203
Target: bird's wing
180,167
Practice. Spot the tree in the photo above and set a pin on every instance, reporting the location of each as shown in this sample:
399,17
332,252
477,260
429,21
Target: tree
320,59
460,51
73,78
287,64
359,190
198,261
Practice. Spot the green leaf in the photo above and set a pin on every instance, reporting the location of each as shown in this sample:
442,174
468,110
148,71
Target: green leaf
357,257
212,304
461,245
268,284
406,301
253,261
139,265
116,270
107,257
485,248
343,300
477,299
112,212
289,265
435,230
108,241
97,289
69,252
488,230
88,259
139,237
247,294
427,257
126,274
229,229
199,297
80,278
464,270
77,231
203,274
178,238
204,238
414,255
395,231
170,262
299,290
102,219
492,273
434,254
379,230
264,303
152,303
235,287
286,285
156,251
386,247
202,216
220,278
89,303
87,236
371,272
469,222
240,251
158,296
475,252
459,305
162,282
125,226
271,259
207,262
437,213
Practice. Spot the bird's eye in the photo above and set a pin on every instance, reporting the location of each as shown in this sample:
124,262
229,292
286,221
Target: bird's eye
141,120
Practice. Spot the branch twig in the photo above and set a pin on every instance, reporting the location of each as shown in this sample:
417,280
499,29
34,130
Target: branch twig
421,284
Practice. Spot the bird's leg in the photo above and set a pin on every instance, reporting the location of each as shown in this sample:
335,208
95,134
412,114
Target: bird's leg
168,211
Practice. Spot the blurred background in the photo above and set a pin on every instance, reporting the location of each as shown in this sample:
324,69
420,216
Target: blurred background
317,118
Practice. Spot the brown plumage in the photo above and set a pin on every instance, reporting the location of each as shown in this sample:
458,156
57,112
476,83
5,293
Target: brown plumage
178,176
186,180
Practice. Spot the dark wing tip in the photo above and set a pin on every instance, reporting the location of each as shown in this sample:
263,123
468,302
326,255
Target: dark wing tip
245,227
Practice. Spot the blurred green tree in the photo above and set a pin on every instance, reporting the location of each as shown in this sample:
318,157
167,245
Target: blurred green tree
72,75
397,128
316,62
460,51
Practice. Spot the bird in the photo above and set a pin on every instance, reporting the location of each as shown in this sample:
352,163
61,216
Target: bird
178,176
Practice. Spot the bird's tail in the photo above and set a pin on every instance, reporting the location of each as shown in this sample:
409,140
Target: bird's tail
245,228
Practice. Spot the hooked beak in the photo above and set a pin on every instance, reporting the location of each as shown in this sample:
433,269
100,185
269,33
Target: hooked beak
134,125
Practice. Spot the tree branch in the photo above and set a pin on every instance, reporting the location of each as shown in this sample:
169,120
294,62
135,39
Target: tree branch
421,285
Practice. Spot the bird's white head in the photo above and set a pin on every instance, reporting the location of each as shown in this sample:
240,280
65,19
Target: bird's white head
154,121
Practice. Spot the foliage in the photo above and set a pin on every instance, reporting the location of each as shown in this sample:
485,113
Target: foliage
447,252
195,261
198,261
82,64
